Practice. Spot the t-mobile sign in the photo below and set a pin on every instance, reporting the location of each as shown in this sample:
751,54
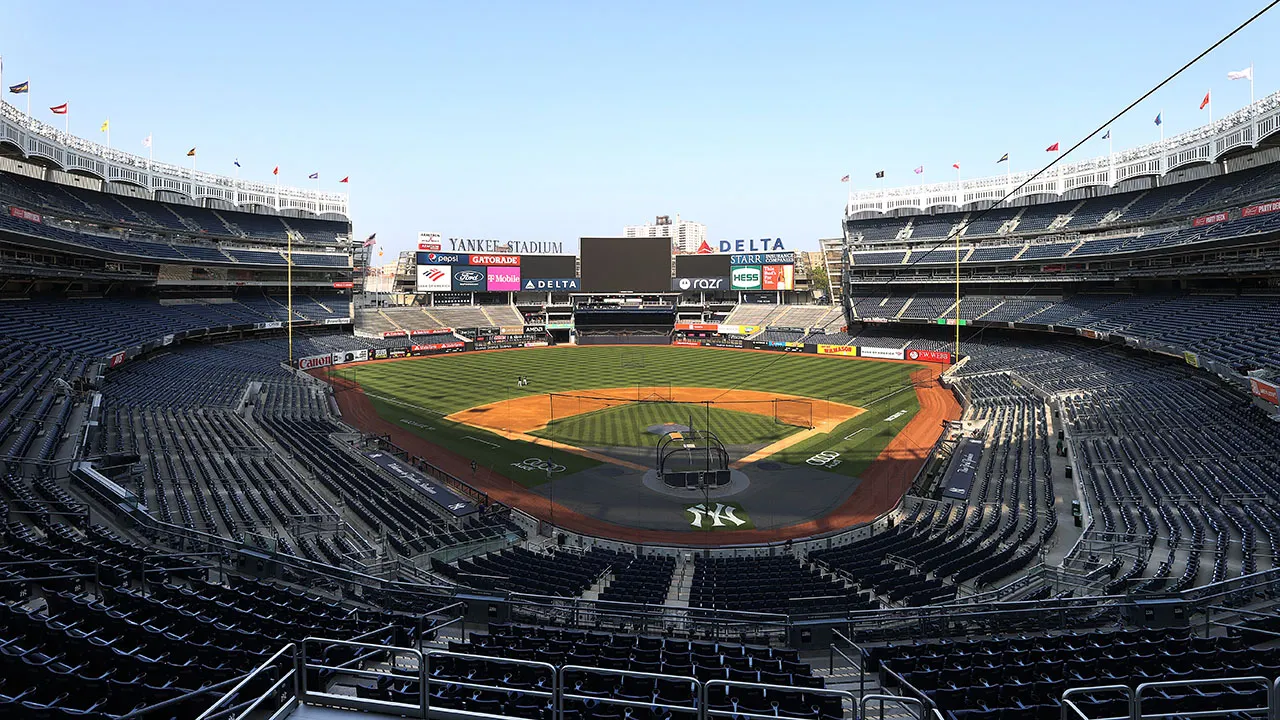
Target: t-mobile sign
503,279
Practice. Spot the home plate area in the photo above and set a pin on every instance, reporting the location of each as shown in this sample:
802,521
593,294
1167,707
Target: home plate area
770,495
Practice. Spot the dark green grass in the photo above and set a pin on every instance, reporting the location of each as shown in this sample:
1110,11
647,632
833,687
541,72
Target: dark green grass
424,389
624,425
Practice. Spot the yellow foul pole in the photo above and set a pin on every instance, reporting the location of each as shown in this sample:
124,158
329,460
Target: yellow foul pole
289,289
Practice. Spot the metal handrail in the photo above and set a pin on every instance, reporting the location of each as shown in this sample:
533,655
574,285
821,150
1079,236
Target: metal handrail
1266,684
564,694
289,648
305,693
899,699
1069,703
707,712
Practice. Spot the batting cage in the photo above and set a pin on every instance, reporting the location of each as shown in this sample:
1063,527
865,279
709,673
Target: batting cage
692,459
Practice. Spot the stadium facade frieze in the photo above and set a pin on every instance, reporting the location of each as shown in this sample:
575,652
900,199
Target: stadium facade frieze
1244,129
73,154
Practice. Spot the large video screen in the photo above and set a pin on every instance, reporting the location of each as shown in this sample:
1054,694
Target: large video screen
694,266
549,266
626,264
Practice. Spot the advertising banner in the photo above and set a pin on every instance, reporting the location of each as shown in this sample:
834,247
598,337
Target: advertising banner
350,356
25,214
699,283
747,277
1268,391
469,279
552,284
686,343
315,361
438,493
494,260
559,325
1191,358
879,352
699,327
116,359
394,333
963,469
535,329
779,277
337,321
1262,209
429,241
398,352
722,342
763,245
934,356
1209,219
436,258
343,285
380,354
503,279
768,258
739,329
433,347
433,278
848,350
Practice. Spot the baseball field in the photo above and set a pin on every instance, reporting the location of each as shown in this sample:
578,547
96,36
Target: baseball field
579,402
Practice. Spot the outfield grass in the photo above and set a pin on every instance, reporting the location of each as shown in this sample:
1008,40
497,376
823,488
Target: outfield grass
418,392
625,425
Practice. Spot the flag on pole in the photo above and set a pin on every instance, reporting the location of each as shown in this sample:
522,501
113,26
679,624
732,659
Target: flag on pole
276,171
879,174
237,162
345,179
105,124
1052,148
371,240
955,165
1205,101
1107,136
59,109
919,170
1003,158
22,87
146,141
314,176
844,179
191,152
1245,74
1158,120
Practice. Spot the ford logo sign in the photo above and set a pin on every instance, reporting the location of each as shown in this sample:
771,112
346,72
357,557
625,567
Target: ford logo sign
468,276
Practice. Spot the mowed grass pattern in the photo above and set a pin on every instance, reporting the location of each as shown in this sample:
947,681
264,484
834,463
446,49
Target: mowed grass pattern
448,383
626,425
417,393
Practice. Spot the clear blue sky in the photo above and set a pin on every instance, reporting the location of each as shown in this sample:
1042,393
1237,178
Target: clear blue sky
549,121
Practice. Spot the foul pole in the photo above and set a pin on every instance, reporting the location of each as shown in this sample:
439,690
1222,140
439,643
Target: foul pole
288,283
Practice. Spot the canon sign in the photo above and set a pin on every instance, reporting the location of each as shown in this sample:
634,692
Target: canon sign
699,283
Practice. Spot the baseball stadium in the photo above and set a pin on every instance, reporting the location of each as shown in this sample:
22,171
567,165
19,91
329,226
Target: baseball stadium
1000,447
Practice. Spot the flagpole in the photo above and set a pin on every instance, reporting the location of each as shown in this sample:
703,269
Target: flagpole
1161,116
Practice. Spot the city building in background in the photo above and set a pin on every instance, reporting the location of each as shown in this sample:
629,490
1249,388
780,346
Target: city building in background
686,236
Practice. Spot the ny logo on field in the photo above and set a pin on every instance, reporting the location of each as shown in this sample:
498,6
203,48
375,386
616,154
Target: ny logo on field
717,515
